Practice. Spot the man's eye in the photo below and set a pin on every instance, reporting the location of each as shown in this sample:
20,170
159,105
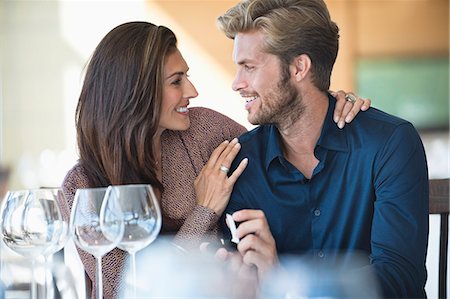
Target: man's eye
248,68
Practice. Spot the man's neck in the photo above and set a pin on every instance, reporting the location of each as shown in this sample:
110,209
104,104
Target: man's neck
300,138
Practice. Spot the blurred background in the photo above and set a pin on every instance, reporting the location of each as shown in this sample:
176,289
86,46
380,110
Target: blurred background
395,52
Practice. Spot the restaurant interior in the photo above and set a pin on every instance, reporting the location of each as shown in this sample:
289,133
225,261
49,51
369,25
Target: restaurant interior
395,52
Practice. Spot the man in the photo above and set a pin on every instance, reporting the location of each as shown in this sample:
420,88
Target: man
310,187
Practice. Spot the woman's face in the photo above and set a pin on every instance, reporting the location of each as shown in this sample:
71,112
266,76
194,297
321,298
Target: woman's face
177,91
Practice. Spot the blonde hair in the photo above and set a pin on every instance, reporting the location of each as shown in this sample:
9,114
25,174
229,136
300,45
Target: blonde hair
292,28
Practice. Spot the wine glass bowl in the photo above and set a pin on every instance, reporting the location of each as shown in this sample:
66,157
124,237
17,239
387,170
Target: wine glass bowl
88,227
141,215
43,225
32,223
11,222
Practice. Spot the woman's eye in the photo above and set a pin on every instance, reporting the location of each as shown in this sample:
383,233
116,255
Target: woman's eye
177,82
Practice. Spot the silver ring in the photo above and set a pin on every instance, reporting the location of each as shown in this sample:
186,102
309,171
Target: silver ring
351,98
224,168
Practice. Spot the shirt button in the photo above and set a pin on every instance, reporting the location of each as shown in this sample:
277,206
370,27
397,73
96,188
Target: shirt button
317,212
320,254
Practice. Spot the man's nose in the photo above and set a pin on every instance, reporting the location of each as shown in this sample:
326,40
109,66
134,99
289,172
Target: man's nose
238,83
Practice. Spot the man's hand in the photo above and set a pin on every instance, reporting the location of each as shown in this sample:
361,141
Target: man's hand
257,245
245,277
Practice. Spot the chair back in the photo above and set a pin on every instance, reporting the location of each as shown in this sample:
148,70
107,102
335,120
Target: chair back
440,204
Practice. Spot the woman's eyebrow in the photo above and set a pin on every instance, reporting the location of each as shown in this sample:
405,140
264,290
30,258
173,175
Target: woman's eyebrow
175,74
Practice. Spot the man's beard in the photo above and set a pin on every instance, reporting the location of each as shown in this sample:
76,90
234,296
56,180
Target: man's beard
283,106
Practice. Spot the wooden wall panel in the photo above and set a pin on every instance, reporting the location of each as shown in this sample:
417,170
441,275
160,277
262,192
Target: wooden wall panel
399,28
386,28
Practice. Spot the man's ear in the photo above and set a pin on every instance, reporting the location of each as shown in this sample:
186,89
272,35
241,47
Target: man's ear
301,66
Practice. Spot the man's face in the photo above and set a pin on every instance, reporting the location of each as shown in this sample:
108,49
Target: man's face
268,91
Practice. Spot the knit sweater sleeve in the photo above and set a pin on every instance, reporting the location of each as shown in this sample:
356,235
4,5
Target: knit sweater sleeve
208,129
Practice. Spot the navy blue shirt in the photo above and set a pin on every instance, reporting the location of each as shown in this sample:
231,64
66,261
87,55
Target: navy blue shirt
369,193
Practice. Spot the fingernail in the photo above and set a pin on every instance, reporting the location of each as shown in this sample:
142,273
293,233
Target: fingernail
364,107
348,119
340,124
235,140
245,160
336,119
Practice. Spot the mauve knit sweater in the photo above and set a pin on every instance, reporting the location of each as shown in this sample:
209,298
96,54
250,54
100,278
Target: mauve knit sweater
184,153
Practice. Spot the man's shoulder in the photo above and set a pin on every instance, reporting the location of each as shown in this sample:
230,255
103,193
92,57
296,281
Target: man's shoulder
255,140
374,130
376,123
255,135
376,115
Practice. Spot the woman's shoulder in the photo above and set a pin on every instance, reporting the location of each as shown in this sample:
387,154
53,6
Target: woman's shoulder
208,120
208,129
76,177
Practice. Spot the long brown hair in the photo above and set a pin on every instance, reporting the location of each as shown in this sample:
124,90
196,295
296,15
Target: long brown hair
118,110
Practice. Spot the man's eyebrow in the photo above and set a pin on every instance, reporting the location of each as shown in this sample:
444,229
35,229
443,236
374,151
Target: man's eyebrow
243,61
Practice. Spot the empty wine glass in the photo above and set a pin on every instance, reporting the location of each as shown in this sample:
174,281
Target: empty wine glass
96,226
12,231
31,224
141,217
44,224
11,228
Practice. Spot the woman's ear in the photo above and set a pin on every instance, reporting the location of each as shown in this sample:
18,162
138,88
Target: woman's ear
301,66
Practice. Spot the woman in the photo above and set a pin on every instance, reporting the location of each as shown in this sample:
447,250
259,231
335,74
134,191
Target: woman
134,126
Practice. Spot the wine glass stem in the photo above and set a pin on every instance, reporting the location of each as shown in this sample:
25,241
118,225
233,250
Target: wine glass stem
99,278
133,272
33,279
46,279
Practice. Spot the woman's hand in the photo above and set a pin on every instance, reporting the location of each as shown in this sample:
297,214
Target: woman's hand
213,186
348,106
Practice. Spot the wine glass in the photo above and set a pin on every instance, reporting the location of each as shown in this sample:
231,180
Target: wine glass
96,226
12,230
141,217
42,208
30,225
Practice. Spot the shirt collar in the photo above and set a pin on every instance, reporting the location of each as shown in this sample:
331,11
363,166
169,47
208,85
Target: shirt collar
273,146
331,136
